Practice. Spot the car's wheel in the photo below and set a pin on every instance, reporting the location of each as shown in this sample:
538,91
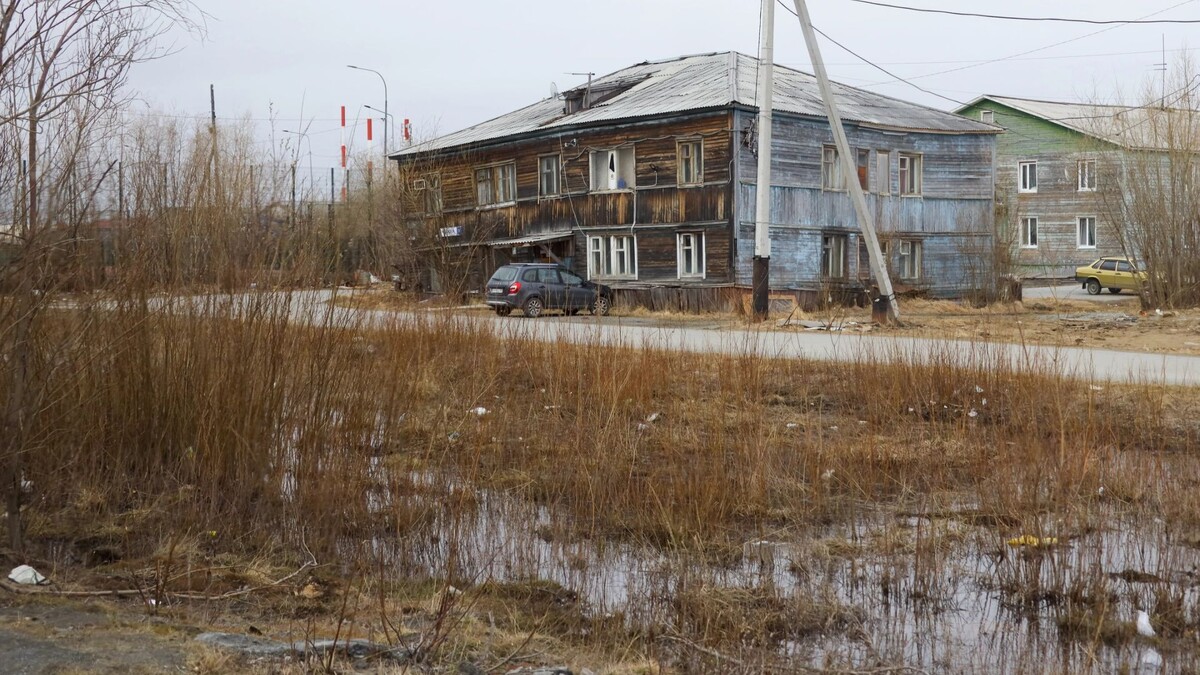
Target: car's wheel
1114,291
601,306
504,311
533,307
1093,287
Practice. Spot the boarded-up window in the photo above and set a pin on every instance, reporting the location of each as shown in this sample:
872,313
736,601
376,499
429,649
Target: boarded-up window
883,172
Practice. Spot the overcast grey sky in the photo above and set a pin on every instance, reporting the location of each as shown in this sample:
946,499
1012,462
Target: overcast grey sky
453,63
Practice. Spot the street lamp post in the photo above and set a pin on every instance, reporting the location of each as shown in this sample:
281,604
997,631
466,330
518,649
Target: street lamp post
386,122
385,106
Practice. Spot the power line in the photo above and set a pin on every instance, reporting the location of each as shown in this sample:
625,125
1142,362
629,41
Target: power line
1032,58
1034,51
1098,22
867,61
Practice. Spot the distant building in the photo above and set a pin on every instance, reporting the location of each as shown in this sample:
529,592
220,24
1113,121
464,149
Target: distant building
1052,162
645,179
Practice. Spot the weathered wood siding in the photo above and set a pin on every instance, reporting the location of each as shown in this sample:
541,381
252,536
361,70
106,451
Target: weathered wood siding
1058,203
654,210
952,217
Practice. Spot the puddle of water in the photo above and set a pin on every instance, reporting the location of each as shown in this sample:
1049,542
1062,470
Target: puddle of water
951,597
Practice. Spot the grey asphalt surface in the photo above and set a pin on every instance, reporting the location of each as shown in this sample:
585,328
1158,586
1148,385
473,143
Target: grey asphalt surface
1074,291
1087,365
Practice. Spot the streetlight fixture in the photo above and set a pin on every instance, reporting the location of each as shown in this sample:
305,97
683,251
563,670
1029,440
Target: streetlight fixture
385,106
386,116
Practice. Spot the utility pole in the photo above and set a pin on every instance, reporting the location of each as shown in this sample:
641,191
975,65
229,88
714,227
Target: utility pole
760,279
887,298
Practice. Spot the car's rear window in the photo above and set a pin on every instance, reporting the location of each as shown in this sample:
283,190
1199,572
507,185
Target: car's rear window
505,273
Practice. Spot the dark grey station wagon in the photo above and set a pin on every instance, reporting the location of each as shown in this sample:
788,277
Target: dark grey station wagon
536,287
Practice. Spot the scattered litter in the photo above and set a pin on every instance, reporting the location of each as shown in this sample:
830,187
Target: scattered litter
24,574
862,422
827,475
550,407
792,425
1032,541
642,426
653,417
1161,313
453,436
1095,387
973,413
1100,492
26,485
911,410
984,402
1143,624
978,389
833,428
480,411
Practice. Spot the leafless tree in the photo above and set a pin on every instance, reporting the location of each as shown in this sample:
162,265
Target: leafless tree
63,71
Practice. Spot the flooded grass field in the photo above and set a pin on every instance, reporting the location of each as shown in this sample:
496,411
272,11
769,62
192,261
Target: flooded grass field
632,510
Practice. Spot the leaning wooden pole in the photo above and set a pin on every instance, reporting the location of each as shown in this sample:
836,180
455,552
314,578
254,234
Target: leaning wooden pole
849,170
760,279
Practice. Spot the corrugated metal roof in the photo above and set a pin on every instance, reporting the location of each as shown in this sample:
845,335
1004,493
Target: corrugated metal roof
528,240
706,81
1134,127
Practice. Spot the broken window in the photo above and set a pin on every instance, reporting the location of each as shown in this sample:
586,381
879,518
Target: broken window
831,170
910,259
833,256
864,170
691,162
613,169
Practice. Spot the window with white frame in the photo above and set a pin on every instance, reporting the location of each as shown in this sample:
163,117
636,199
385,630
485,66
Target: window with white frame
833,256
1086,232
548,173
1087,175
910,259
987,116
1029,232
831,170
1028,176
910,174
689,249
612,257
612,169
496,184
691,162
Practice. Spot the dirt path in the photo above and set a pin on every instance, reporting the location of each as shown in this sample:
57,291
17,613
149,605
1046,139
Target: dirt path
51,636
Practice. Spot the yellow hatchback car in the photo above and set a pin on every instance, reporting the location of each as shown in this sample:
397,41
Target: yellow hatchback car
1115,274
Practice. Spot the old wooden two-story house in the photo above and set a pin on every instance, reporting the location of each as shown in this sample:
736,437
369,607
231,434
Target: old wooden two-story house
645,179
1055,212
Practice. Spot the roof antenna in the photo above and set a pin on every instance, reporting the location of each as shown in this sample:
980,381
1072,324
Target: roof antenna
587,93
553,89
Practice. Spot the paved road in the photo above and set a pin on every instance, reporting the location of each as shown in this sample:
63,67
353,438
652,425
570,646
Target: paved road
1084,364
1074,291
1081,363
